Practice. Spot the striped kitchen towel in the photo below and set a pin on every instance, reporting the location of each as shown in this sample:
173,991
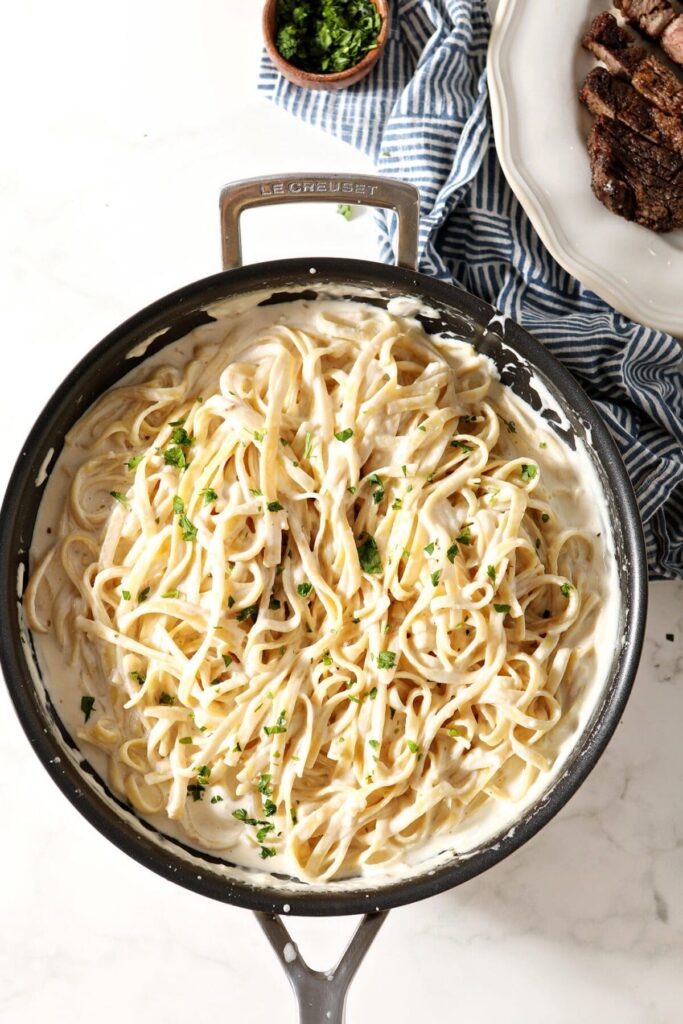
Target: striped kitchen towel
422,115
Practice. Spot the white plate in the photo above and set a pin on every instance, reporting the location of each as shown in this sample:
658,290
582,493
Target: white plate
536,66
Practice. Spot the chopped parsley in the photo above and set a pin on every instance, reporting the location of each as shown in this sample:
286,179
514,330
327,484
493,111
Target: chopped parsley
274,506
121,498
343,435
452,552
308,445
343,209
528,471
134,461
566,589
326,37
304,589
87,704
368,555
503,608
209,495
280,726
251,612
386,659
188,528
178,505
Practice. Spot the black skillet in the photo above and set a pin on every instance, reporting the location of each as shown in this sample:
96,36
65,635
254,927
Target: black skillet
518,358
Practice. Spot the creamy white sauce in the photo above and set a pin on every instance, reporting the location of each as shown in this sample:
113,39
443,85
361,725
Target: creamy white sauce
583,506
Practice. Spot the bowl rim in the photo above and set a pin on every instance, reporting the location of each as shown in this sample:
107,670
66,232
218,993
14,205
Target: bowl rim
99,368
319,77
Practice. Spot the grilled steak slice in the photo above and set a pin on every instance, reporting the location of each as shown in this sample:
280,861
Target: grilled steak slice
635,178
612,44
672,40
651,16
606,95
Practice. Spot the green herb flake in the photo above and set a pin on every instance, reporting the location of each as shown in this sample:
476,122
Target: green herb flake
368,555
502,608
189,529
274,506
280,726
528,471
251,612
343,435
87,705
386,659
121,498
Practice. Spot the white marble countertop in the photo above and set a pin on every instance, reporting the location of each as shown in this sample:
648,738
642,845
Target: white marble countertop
122,124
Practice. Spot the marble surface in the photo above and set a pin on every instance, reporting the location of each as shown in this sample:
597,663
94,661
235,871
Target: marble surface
122,125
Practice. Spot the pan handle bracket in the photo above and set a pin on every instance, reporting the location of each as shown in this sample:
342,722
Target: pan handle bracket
321,995
355,189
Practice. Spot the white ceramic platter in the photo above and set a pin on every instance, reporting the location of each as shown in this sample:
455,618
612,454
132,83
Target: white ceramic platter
536,66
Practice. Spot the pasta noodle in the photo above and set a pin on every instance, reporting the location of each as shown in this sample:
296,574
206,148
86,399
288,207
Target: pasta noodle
313,589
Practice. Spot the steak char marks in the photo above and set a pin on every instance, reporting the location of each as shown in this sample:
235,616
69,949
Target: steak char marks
634,177
649,76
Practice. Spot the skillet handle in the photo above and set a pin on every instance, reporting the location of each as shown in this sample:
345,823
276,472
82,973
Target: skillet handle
360,189
321,995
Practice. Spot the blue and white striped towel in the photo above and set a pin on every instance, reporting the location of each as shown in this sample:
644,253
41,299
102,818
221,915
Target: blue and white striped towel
422,115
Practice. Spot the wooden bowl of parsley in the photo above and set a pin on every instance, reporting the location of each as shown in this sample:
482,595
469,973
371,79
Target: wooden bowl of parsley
325,44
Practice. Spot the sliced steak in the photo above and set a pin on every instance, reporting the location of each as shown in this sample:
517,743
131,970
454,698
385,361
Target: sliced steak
672,40
613,45
651,16
634,177
606,95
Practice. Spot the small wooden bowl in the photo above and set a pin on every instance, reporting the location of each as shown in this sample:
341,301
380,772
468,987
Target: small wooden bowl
336,80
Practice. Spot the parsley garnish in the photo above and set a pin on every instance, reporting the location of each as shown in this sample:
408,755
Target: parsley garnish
343,435
251,612
87,704
121,498
368,555
188,528
304,589
386,659
528,471
272,730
